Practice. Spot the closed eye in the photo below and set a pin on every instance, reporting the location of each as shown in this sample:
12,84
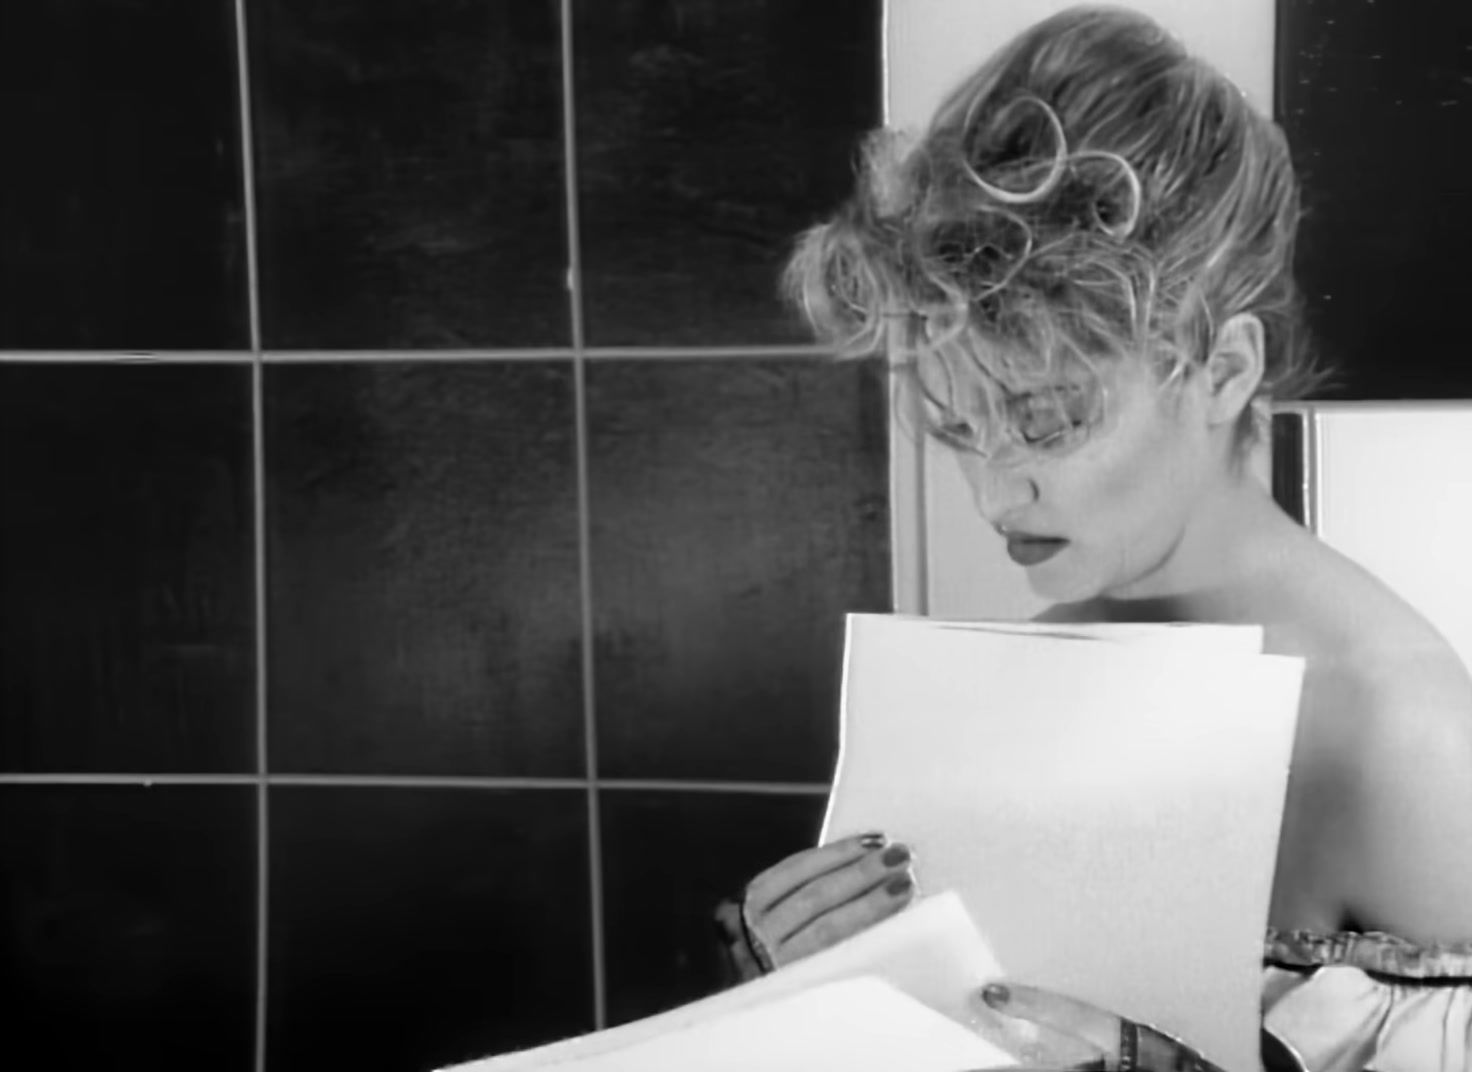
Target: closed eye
1048,418
956,431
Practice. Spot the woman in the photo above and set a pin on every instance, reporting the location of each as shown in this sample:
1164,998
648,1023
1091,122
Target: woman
1083,269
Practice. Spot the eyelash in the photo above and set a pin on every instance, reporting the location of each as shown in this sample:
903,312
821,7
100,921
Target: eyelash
962,433
956,432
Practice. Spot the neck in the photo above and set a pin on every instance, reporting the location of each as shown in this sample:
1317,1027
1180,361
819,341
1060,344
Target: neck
1234,537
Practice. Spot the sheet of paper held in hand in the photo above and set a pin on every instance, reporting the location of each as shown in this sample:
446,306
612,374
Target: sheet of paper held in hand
1106,801
894,997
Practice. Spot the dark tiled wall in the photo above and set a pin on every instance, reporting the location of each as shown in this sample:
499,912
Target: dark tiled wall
425,547
127,636
122,151
1376,100
129,935
1290,462
422,536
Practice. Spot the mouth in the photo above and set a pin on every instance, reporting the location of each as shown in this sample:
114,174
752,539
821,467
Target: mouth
1027,550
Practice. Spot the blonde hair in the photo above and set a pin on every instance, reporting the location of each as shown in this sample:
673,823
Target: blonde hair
1092,191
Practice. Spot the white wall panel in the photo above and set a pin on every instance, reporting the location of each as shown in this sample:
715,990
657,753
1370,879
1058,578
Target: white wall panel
931,44
1394,492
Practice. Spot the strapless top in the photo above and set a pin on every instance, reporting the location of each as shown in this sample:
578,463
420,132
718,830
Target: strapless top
1348,1002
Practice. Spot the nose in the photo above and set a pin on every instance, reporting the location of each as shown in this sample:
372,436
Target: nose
999,491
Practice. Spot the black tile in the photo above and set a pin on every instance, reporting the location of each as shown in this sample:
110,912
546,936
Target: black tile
661,945
425,613
738,509
709,135
1377,103
121,195
410,170
1288,464
128,937
127,628
411,928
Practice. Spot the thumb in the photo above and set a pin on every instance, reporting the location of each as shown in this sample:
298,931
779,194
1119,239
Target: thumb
1058,1016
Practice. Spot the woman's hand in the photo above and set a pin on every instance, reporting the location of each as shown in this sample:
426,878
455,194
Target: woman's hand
818,897
1042,1028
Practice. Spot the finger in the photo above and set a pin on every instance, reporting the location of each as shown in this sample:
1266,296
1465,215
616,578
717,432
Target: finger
877,904
1057,1012
833,890
800,868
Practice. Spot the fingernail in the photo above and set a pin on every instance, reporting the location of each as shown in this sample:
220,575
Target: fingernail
996,995
895,855
899,885
872,841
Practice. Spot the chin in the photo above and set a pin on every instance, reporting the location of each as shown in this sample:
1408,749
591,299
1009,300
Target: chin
1055,582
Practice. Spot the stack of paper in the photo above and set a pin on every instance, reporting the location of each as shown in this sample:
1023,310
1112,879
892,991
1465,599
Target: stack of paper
859,1025
1106,801
895,997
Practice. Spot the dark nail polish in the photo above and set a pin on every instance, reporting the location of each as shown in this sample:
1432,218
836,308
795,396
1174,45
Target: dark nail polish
899,885
895,855
872,841
996,995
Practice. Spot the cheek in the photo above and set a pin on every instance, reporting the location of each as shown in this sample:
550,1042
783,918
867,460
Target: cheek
1132,501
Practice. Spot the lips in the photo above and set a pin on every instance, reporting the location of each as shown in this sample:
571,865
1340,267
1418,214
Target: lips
1031,550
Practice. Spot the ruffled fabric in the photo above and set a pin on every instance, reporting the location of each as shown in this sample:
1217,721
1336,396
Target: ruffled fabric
1354,1002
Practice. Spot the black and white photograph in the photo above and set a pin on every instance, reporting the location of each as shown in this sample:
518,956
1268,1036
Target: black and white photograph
736,535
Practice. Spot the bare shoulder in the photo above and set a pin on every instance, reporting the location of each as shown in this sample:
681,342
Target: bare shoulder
1361,632
1384,752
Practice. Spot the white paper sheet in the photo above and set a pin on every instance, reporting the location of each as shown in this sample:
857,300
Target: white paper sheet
858,1025
1192,636
931,953
1109,812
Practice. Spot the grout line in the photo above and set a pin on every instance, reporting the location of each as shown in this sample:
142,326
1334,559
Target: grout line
263,917
369,781
585,555
704,353
258,471
122,357
371,357
554,353
366,357
751,788
145,780
248,181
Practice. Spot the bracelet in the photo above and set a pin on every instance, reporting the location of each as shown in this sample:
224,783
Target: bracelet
1162,1052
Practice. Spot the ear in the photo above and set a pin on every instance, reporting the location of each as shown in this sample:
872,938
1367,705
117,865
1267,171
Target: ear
1234,368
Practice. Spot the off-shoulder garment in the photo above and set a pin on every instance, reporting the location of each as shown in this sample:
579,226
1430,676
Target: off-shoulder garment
1340,1002
1348,1002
